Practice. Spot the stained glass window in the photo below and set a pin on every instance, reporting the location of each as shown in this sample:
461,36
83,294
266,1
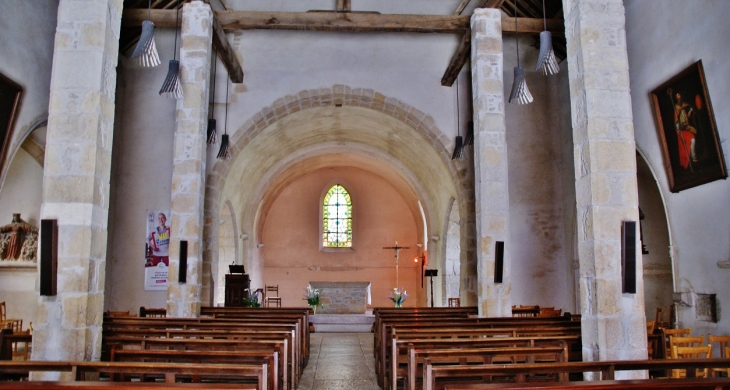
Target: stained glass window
337,218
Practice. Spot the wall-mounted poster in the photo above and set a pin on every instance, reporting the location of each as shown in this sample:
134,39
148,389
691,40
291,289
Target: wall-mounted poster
687,130
157,258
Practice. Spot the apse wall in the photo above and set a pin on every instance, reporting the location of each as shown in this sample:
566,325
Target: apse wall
665,37
291,237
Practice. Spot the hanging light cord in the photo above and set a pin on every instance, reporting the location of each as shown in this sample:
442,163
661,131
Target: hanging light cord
225,125
149,9
174,50
516,37
458,112
544,21
215,69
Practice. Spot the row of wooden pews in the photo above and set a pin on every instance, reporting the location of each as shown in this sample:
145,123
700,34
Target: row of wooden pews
441,348
278,337
405,338
261,348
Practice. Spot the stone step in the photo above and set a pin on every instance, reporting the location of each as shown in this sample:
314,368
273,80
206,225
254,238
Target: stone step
334,323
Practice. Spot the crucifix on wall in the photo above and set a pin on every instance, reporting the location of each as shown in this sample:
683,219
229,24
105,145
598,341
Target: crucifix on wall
397,249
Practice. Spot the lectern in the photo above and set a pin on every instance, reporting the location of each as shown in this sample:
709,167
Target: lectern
431,273
237,286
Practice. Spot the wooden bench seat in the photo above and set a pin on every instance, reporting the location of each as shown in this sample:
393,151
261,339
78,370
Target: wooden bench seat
475,373
399,348
510,355
93,385
172,372
206,357
263,346
644,384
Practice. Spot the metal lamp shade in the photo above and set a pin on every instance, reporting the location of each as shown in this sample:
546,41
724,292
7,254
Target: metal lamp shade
547,60
145,54
171,87
520,93
458,148
211,133
224,153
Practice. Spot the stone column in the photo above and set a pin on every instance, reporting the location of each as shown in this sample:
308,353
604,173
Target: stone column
490,159
76,177
188,172
613,323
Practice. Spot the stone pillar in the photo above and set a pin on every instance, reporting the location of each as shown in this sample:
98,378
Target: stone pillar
490,159
76,177
188,172
613,323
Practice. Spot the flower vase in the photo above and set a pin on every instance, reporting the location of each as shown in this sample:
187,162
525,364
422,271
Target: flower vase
314,309
399,304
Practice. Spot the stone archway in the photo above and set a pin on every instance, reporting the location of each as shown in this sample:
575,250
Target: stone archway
382,125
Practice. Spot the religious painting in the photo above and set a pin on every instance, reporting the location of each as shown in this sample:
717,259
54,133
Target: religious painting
10,94
157,244
687,130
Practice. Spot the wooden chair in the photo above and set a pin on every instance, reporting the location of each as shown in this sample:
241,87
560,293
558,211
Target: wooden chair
723,343
659,318
454,302
525,311
679,341
152,312
550,312
24,353
3,311
650,326
703,352
273,300
667,333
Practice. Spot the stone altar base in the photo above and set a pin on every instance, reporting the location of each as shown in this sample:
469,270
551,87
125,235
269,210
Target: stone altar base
350,323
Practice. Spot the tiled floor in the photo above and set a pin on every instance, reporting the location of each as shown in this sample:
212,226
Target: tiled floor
340,361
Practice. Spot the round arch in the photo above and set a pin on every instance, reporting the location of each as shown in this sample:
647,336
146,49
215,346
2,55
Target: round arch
324,122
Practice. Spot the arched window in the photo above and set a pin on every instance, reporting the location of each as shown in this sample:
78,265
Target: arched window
337,218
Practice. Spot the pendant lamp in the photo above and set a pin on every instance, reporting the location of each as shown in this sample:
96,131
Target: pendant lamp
546,61
459,144
224,153
171,87
145,53
211,133
520,93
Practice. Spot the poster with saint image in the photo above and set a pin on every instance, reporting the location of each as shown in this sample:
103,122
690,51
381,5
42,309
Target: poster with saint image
156,250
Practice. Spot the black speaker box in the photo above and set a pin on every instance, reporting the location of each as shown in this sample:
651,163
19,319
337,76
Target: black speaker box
49,257
498,261
628,257
182,276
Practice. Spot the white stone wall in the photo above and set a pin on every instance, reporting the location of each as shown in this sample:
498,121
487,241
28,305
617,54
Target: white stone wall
664,37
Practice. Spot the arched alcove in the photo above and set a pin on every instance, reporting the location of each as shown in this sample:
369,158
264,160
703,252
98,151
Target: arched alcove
321,123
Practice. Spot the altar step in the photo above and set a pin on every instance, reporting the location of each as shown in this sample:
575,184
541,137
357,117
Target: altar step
334,323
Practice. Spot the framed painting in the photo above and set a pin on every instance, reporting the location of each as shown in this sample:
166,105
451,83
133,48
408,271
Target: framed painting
10,94
687,130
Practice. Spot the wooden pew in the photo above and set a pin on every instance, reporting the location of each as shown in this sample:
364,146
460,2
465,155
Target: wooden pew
207,357
481,355
158,326
399,348
171,371
464,330
465,374
644,384
262,346
208,334
91,385
384,330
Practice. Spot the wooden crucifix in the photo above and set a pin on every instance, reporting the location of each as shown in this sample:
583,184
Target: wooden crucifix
397,249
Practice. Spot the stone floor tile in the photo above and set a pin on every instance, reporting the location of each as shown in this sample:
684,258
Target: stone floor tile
345,385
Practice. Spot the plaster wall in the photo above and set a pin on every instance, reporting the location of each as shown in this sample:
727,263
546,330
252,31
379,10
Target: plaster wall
664,37
540,258
141,177
26,54
381,216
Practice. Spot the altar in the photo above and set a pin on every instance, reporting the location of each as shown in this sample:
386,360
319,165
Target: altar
343,297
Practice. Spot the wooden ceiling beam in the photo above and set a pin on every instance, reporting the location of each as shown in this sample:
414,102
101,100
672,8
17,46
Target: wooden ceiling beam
491,4
342,22
226,52
461,7
458,60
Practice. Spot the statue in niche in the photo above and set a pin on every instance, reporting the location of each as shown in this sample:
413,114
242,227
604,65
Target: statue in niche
18,240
